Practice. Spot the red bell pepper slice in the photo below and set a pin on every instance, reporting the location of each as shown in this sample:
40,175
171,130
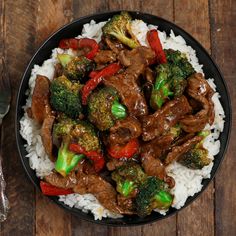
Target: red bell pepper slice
90,43
96,78
50,190
155,44
79,44
96,157
69,43
126,151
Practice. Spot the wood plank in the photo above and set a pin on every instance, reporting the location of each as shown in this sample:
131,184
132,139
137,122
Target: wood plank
2,52
193,16
51,219
167,226
223,33
19,40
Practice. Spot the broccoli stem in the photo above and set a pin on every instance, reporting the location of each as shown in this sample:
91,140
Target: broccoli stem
163,199
66,160
126,187
64,59
118,110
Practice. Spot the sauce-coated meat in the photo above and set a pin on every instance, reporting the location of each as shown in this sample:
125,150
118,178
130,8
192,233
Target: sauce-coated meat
105,56
46,135
124,130
201,92
102,190
59,181
178,151
40,99
162,120
130,93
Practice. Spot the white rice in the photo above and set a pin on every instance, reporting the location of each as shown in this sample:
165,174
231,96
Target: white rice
188,181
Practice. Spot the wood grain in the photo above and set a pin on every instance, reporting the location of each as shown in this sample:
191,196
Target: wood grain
196,21
50,16
18,40
223,32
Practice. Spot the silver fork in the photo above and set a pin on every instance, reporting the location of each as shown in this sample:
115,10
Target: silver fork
5,99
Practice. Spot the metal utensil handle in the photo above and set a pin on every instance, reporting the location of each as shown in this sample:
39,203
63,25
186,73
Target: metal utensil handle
4,203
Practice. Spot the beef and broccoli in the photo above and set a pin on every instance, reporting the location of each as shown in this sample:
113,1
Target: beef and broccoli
117,114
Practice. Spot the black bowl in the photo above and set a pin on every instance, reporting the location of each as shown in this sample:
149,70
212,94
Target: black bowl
73,29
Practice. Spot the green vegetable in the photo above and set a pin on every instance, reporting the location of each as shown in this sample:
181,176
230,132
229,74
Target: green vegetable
119,27
118,110
171,78
84,134
128,177
63,127
64,59
196,158
66,160
78,68
103,108
153,193
65,96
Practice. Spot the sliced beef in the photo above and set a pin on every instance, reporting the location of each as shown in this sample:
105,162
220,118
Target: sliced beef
101,189
130,93
178,151
124,130
157,147
59,181
46,135
200,91
162,120
40,99
105,56
136,60
114,45
58,70
113,163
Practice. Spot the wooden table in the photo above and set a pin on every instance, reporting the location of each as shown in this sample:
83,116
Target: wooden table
25,24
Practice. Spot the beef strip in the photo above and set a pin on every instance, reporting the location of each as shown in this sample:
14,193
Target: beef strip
113,163
58,70
201,92
40,99
125,83
115,45
101,189
163,119
151,152
124,130
105,56
59,181
136,60
157,147
130,93
178,151
46,135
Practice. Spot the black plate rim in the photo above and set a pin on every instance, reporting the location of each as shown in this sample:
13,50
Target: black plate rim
101,222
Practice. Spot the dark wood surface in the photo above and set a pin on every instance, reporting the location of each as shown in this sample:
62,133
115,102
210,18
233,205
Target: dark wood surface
25,24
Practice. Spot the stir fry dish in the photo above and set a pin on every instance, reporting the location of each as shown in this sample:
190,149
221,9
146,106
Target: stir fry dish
116,114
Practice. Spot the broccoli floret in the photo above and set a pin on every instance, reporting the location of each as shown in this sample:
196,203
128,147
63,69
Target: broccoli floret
153,193
181,66
63,127
78,68
66,160
171,78
85,135
65,96
128,177
100,108
119,27
196,158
